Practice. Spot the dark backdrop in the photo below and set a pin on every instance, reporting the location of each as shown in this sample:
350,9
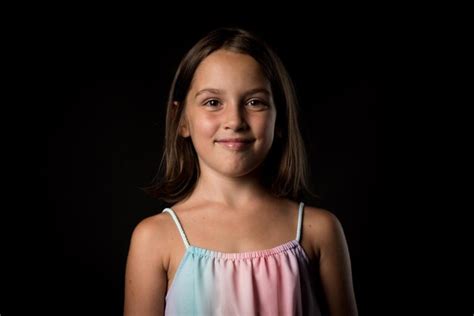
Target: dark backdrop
104,140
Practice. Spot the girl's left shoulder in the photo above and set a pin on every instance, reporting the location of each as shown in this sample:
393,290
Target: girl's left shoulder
321,229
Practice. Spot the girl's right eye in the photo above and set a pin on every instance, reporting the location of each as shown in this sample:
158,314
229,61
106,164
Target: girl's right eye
212,103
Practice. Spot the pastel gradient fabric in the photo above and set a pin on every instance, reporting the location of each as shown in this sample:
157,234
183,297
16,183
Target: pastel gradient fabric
274,281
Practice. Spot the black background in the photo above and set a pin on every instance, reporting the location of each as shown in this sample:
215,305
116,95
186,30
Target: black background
103,141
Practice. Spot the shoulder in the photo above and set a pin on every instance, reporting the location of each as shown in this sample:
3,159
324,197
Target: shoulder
321,228
146,269
150,238
152,228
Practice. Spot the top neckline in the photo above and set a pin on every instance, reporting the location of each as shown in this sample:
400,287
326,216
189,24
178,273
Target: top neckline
188,245
247,254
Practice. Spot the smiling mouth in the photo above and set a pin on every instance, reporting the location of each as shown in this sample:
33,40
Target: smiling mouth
235,144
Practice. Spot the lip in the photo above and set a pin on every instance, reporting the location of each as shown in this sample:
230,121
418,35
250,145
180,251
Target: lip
235,143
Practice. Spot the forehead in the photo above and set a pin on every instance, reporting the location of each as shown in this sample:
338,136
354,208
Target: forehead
228,70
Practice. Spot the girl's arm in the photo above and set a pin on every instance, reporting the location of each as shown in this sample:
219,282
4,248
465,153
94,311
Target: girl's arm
335,266
145,277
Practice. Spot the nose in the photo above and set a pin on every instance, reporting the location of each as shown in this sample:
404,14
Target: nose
235,118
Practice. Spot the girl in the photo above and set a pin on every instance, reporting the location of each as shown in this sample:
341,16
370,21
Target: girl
235,241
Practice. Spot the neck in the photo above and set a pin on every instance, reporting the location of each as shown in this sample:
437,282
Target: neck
233,192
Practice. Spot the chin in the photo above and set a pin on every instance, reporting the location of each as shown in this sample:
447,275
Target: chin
235,171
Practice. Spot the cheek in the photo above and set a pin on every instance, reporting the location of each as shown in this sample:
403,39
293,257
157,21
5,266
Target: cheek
203,126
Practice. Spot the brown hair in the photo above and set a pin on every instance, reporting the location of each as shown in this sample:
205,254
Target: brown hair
285,169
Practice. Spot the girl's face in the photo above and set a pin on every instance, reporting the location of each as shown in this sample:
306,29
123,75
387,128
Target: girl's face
229,114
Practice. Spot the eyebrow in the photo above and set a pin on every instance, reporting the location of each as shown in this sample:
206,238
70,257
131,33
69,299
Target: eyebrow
218,91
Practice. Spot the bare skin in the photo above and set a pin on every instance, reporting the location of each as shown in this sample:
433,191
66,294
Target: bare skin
157,248
229,210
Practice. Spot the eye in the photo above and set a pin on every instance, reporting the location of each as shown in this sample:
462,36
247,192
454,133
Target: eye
212,103
256,103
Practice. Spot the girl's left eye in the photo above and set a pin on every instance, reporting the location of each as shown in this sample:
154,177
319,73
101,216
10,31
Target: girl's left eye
255,103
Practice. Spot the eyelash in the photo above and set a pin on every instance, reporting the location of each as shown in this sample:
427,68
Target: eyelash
260,102
207,103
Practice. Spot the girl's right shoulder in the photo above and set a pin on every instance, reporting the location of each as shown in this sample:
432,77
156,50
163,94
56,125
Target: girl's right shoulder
156,227
152,235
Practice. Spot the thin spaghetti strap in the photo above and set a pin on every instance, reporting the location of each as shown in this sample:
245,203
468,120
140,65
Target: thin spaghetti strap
178,224
300,221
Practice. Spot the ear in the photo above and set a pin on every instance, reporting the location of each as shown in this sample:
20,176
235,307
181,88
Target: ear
183,128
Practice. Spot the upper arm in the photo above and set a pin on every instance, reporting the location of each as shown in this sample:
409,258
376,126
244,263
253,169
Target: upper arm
145,277
334,265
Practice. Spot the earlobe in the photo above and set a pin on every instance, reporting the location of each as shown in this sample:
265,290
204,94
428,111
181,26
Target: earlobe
184,130
183,127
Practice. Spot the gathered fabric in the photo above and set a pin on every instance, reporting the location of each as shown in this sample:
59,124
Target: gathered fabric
274,281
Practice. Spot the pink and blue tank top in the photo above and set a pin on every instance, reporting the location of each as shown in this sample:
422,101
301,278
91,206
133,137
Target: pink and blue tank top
274,281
